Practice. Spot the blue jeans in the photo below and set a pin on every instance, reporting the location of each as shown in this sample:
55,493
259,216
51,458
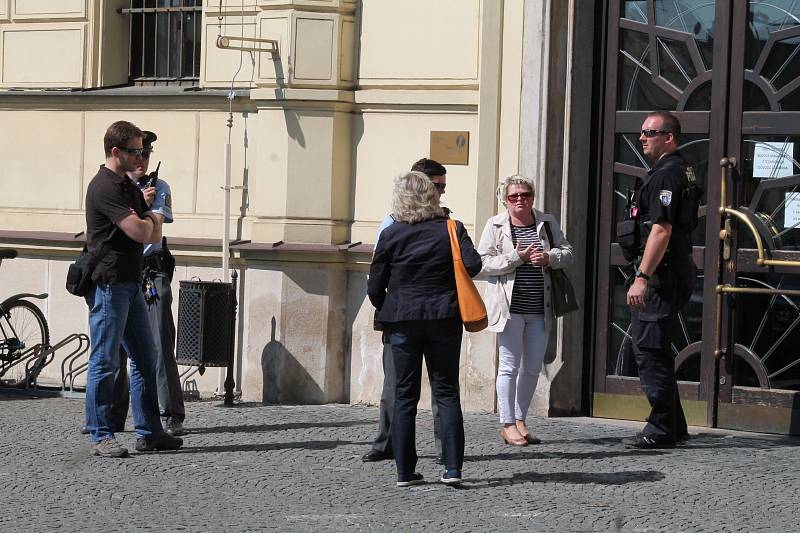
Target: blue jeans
118,316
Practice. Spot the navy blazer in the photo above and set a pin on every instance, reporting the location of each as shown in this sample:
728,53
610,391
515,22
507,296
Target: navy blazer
412,276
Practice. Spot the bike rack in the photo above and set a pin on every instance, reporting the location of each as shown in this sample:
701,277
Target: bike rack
72,366
35,359
190,390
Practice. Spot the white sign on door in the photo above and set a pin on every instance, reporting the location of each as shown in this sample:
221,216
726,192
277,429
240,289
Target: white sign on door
791,214
773,160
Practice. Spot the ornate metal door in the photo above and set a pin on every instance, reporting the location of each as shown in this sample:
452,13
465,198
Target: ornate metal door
731,72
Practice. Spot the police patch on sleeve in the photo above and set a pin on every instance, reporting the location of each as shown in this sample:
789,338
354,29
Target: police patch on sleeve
665,197
168,200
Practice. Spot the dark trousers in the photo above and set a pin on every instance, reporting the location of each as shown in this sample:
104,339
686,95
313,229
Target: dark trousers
170,393
383,443
439,341
651,331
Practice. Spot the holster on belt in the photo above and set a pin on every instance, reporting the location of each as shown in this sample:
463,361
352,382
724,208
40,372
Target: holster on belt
161,261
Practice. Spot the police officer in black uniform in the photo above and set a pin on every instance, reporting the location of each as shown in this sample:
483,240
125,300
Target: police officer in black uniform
159,266
664,277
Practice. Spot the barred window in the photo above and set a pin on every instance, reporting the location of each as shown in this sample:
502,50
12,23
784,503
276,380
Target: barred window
165,41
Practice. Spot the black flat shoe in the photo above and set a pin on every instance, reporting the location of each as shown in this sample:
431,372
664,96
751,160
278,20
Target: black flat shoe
373,456
159,442
644,442
414,479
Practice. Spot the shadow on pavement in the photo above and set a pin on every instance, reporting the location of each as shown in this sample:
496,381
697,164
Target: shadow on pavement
578,478
702,440
256,428
270,446
559,455
10,395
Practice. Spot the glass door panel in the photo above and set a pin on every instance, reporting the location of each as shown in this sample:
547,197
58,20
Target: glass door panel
661,57
760,376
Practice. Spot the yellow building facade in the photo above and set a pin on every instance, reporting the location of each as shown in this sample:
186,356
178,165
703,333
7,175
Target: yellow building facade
330,100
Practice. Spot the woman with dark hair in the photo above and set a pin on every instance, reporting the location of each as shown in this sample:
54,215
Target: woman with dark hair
412,286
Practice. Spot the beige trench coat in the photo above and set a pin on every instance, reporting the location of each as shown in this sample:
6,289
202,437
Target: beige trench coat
500,262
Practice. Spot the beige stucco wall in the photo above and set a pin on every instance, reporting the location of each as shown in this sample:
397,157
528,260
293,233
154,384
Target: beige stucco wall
324,128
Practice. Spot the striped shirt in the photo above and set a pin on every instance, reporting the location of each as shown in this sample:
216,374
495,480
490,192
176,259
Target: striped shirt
528,294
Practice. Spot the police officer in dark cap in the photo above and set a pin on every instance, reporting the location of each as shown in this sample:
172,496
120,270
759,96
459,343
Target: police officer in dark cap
159,266
661,217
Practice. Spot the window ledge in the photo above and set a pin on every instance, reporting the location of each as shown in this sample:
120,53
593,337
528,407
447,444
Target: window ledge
137,90
44,238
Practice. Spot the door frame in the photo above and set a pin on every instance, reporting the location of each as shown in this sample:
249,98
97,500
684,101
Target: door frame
619,396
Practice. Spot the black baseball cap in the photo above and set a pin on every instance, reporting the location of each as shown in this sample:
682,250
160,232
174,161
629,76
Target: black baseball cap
149,138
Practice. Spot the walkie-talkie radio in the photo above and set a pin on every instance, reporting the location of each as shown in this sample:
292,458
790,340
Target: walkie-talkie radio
154,176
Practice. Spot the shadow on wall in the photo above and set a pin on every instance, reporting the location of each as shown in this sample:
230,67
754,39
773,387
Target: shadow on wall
293,127
285,381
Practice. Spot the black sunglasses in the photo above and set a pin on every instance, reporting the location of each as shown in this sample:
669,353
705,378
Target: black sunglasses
517,196
439,186
136,152
653,133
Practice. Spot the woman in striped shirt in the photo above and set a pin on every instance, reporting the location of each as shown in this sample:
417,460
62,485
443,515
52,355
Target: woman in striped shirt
518,248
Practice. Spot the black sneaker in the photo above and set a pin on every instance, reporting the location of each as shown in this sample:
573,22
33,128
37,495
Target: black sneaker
159,442
451,477
414,479
645,442
374,456
174,427
683,439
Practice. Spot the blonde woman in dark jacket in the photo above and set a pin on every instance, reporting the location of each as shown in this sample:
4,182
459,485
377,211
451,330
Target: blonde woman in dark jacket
515,249
412,286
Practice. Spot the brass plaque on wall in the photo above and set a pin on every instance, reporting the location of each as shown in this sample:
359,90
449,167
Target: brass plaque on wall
450,147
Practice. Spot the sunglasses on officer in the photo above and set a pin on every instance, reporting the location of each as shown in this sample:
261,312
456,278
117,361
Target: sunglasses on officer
137,152
652,133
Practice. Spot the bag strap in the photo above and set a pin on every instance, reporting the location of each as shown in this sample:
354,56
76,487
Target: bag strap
549,233
455,247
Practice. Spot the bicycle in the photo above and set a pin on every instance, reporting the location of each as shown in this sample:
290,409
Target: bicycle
24,335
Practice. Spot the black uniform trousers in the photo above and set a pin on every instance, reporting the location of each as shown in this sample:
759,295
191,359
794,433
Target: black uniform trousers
651,331
383,443
439,341
170,393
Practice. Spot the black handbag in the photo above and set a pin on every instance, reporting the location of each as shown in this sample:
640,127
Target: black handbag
562,293
79,273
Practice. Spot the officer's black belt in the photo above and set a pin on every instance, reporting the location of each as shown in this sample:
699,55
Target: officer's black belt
156,262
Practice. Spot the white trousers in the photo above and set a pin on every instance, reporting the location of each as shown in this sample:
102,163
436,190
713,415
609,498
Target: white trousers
523,344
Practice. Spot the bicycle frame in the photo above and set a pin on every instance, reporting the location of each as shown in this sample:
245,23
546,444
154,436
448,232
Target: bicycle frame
11,299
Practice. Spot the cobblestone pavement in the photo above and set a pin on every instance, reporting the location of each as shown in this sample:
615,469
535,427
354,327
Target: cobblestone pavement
298,468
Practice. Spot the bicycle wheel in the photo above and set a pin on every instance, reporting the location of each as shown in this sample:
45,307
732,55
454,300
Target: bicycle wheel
24,326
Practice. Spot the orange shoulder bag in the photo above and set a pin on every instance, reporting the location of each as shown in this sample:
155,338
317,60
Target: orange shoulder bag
470,303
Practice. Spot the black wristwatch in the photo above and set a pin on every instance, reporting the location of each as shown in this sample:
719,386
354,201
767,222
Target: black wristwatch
640,274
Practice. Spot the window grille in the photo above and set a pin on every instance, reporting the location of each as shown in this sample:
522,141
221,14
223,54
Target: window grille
165,40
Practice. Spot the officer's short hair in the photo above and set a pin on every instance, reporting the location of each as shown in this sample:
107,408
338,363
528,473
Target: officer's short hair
514,179
119,134
669,122
429,167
